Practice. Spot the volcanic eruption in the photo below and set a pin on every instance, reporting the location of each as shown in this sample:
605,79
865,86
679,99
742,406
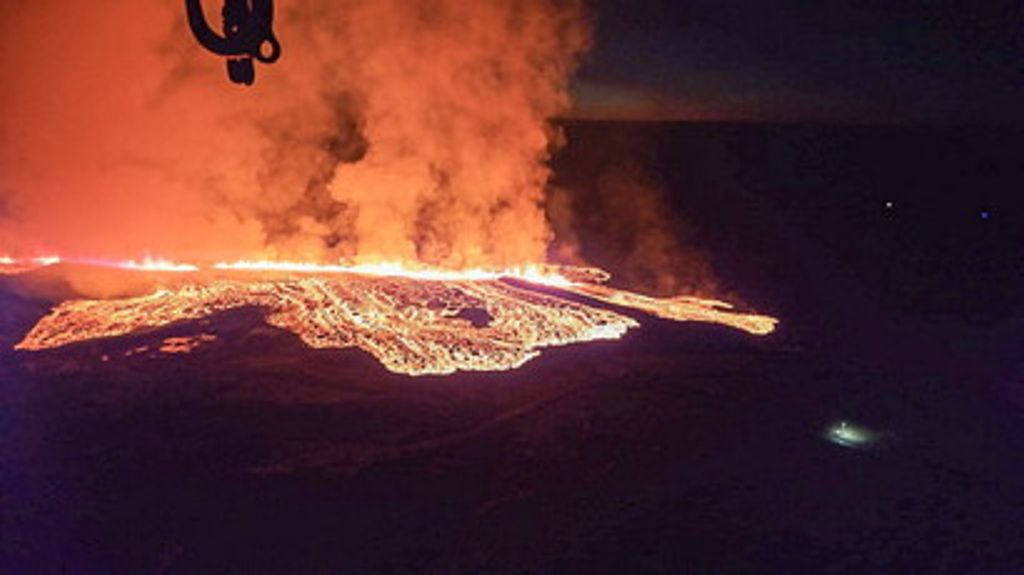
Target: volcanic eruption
383,187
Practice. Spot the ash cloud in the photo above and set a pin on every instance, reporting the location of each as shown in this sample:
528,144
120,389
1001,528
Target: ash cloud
388,130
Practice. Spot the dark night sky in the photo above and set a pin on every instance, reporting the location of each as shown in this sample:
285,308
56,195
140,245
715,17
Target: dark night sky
761,60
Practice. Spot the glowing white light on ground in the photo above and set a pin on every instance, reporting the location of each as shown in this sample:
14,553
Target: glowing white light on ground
850,435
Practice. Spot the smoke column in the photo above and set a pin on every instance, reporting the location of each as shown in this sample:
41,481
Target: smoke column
389,130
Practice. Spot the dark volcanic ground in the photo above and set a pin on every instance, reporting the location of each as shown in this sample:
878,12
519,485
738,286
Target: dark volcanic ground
682,448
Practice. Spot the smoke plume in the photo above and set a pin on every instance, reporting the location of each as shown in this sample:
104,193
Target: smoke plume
619,218
388,130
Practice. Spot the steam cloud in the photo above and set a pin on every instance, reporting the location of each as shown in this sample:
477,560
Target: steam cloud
389,130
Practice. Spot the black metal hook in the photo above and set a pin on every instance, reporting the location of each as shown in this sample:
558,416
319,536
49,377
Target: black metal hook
248,30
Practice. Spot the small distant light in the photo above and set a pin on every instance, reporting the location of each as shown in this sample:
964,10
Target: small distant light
850,435
984,215
888,205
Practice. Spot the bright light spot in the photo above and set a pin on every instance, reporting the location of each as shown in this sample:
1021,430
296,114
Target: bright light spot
888,205
984,215
6,261
157,265
850,435
47,260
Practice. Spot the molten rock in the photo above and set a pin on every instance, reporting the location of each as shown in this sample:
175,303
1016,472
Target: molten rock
411,326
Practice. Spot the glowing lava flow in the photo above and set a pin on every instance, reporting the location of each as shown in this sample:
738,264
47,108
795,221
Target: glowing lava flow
578,280
413,327
414,321
681,308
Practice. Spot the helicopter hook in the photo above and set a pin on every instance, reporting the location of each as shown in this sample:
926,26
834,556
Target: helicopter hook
247,35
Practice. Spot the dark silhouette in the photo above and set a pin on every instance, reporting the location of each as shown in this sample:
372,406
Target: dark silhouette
248,26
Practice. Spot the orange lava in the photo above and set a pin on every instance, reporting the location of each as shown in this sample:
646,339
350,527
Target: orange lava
410,326
415,321
681,308
185,344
